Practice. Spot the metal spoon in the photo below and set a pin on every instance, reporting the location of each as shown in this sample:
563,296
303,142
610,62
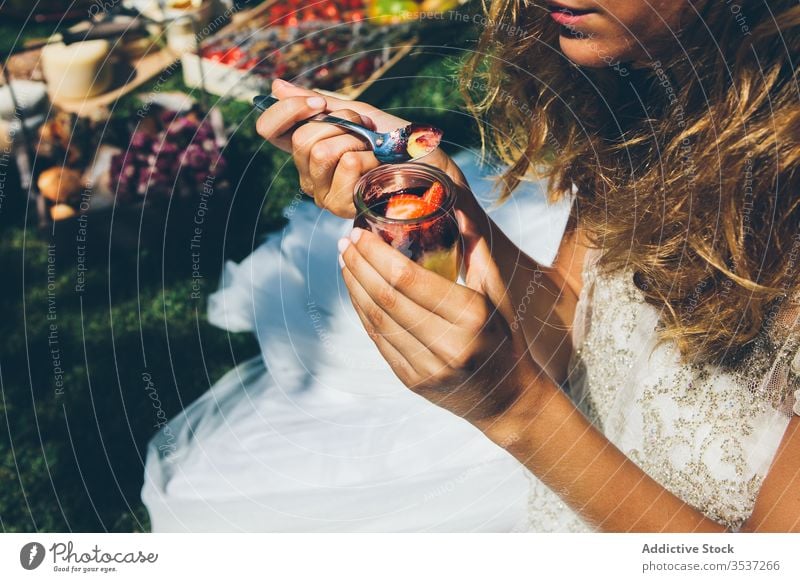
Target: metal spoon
393,147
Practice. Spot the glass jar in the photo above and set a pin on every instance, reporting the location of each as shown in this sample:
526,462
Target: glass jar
431,240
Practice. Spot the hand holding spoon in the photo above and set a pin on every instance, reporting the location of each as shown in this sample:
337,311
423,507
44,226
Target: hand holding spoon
392,147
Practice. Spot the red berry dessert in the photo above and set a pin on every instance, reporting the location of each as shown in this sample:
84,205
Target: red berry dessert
411,207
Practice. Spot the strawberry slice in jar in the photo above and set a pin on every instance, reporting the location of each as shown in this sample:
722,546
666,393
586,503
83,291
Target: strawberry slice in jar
411,207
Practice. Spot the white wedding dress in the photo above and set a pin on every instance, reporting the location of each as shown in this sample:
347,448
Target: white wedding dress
317,434
706,434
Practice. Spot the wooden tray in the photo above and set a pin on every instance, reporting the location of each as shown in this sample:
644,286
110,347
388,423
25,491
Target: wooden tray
225,81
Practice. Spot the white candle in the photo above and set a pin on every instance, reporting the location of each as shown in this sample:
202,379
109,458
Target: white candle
78,70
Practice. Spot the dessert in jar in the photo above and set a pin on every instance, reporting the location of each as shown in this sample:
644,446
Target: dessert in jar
411,206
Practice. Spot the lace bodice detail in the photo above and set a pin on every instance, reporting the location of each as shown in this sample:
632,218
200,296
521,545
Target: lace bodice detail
705,433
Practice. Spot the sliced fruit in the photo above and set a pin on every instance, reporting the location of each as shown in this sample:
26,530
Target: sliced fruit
422,140
407,206
434,195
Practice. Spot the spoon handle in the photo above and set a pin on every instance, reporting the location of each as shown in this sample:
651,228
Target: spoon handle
369,135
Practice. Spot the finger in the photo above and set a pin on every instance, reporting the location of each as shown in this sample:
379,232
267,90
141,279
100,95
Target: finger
379,120
281,117
324,158
393,340
348,171
427,289
379,325
283,89
399,365
316,157
445,340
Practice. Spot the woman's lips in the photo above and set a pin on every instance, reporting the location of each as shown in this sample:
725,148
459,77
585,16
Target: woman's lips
566,15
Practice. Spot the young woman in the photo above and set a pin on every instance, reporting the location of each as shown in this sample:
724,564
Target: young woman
651,377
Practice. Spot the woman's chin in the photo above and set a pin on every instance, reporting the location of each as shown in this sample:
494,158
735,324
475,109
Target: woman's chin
591,53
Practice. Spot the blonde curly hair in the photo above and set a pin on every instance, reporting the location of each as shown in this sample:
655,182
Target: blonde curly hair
685,170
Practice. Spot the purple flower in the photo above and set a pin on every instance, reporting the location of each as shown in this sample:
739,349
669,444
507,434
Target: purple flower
182,126
165,164
200,178
140,141
168,149
194,157
204,132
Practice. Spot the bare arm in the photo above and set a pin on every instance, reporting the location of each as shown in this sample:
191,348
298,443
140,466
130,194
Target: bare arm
777,508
